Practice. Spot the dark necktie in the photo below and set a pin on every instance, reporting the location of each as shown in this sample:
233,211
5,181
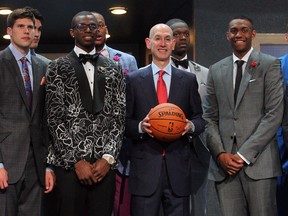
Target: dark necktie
238,78
27,82
83,58
161,88
184,63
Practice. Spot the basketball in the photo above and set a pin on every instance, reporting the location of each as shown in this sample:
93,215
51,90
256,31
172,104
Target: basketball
167,122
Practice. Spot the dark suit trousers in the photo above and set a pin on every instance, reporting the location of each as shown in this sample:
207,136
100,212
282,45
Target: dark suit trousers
24,197
75,199
173,205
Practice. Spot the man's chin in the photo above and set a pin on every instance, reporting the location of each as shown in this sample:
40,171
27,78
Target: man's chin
33,46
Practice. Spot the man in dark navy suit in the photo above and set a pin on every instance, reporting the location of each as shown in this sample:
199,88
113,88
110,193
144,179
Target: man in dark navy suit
160,172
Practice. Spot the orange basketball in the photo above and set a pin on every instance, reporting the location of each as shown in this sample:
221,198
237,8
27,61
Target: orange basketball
167,122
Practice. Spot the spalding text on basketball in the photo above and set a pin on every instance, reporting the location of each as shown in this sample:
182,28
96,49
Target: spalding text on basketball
171,113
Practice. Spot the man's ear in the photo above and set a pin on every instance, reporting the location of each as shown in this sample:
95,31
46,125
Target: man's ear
147,41
72,33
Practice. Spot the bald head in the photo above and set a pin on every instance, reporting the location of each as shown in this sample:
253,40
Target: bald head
160,28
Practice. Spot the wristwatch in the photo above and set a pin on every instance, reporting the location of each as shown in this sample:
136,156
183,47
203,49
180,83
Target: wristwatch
109,159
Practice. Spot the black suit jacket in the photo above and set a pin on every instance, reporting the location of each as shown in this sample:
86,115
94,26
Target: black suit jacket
146,158
18,128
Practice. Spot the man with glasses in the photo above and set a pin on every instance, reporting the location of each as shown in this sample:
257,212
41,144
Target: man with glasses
86,114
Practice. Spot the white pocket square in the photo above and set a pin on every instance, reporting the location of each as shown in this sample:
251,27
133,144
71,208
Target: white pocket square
252,80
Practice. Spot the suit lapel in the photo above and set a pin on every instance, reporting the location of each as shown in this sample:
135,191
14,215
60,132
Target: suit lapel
246,77
37,75
84,89
14,68
111,53
99,87
227,79
148,87
174,85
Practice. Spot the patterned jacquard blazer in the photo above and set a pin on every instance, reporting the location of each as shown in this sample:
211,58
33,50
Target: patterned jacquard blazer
83,127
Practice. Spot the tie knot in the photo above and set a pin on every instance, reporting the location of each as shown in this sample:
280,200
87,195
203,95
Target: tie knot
83,58
184,63
161,73
239,63
23,60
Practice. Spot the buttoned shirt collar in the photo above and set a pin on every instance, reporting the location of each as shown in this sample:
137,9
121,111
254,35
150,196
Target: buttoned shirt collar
78,51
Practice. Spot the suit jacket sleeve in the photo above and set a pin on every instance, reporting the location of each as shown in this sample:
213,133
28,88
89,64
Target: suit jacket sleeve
118,107
131,126
272,117
62,139
211,115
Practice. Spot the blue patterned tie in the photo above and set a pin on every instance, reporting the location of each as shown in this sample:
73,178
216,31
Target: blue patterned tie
27,82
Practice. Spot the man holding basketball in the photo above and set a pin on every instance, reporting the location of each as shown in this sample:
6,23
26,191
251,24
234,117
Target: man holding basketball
160,171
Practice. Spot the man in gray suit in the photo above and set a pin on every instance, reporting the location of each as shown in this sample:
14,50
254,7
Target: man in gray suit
23,128
201,155
241,129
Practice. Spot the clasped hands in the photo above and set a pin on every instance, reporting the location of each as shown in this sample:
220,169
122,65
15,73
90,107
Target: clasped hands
89,174
145,126
231,163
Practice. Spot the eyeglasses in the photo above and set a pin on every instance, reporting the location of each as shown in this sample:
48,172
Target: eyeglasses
83,27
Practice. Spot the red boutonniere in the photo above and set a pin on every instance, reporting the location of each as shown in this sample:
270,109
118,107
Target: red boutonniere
253,64
116,57
125,71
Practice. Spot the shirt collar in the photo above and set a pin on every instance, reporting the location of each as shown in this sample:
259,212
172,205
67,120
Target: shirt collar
104,51
185,57
18,55
245,57
156,69
78,51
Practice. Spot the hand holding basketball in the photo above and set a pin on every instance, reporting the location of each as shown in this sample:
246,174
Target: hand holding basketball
167,122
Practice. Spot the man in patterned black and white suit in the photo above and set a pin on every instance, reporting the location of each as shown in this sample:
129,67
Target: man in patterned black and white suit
86,113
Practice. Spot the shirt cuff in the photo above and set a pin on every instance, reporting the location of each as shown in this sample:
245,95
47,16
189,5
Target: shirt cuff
193,127
139,128
49,169
243,158
1,165
109,158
